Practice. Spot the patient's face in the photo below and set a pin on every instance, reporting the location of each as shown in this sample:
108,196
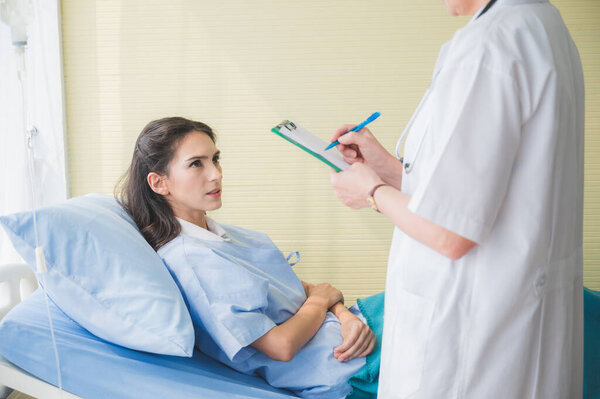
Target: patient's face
194,179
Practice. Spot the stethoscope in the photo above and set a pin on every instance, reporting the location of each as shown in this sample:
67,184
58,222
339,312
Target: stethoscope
408,166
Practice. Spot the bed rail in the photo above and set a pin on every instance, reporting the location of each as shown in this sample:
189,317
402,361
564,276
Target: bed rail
17,282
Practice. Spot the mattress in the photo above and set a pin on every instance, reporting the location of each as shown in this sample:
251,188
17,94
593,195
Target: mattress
93,368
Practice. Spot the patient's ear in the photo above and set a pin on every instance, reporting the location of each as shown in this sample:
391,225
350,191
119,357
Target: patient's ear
157,183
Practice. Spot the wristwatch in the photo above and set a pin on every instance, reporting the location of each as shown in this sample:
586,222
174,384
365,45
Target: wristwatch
371,197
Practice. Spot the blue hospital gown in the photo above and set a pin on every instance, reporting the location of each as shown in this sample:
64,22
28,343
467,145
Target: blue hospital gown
239,286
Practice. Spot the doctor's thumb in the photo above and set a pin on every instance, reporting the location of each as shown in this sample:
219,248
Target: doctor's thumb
358,139
348,138
334,176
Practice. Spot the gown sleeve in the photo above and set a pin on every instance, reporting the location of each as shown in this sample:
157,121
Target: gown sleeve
476,120
226,301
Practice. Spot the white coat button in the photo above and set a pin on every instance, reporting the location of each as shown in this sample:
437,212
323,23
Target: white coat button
541,281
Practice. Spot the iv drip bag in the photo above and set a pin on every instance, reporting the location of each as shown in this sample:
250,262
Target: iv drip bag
17,14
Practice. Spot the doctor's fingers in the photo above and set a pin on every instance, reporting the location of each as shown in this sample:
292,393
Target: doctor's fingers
341,130
368,149
335,177
354,140
360,139
351,154
345,187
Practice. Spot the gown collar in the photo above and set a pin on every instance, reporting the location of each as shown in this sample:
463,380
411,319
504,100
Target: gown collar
214,232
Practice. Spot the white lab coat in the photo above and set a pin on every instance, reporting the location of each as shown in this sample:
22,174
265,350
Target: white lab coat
495,154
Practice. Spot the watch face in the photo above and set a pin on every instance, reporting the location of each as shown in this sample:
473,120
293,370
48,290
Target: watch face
372,202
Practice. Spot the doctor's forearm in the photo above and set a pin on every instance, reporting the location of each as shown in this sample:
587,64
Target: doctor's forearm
394,204
390,171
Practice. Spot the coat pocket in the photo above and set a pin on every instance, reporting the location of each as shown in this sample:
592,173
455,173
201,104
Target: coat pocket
405,346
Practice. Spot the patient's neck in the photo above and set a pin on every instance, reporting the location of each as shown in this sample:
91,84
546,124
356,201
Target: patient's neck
197,219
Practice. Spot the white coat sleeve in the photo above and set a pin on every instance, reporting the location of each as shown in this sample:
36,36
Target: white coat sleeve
476,120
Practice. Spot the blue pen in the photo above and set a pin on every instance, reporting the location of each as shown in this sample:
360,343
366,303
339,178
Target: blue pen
357,128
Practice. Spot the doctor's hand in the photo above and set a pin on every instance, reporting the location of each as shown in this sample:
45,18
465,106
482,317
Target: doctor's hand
363,147
359,340
353,186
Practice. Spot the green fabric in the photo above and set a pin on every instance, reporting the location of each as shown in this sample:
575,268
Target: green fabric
591,362
365,382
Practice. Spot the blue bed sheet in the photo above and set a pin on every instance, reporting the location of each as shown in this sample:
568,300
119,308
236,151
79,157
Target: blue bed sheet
93,368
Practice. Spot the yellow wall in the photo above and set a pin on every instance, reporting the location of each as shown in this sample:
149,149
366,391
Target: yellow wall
244,66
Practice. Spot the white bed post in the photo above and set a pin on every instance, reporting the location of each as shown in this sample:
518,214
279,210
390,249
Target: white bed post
21,283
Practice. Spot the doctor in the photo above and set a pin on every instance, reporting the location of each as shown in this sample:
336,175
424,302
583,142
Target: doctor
484,282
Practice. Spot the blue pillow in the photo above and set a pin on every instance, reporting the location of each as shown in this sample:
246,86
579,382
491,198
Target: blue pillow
104,275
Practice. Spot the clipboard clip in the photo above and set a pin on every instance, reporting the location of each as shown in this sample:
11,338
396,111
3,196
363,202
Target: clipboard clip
288,125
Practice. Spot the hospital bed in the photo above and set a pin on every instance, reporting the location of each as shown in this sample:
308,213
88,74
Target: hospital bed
94,368
19,282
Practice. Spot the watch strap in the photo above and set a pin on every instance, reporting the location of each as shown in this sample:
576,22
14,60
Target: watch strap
371,197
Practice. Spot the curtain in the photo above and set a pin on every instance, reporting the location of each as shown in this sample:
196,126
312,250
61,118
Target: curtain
43,85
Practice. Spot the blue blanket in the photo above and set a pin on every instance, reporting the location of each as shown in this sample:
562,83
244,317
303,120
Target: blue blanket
591,362
365,382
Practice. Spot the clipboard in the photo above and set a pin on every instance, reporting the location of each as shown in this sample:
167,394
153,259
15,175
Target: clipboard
312,144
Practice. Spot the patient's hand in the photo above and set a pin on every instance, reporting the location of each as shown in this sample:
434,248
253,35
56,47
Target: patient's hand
324,293
307,287
359,340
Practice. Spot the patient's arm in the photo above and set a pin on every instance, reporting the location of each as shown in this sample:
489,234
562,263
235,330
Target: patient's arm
359,340
307,287
282,342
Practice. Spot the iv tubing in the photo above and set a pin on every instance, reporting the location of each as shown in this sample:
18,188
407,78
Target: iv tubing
40,259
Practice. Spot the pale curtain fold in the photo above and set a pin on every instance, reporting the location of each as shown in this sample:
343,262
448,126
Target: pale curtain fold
44,94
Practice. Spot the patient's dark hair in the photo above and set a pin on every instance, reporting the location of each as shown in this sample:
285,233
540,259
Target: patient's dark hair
155,147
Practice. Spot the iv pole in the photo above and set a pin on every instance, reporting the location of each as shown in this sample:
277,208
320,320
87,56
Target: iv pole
18,14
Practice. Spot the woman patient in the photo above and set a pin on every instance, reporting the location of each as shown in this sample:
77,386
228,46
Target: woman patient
250,310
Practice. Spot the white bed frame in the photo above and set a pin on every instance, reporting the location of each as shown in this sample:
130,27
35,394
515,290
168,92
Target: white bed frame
21,283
